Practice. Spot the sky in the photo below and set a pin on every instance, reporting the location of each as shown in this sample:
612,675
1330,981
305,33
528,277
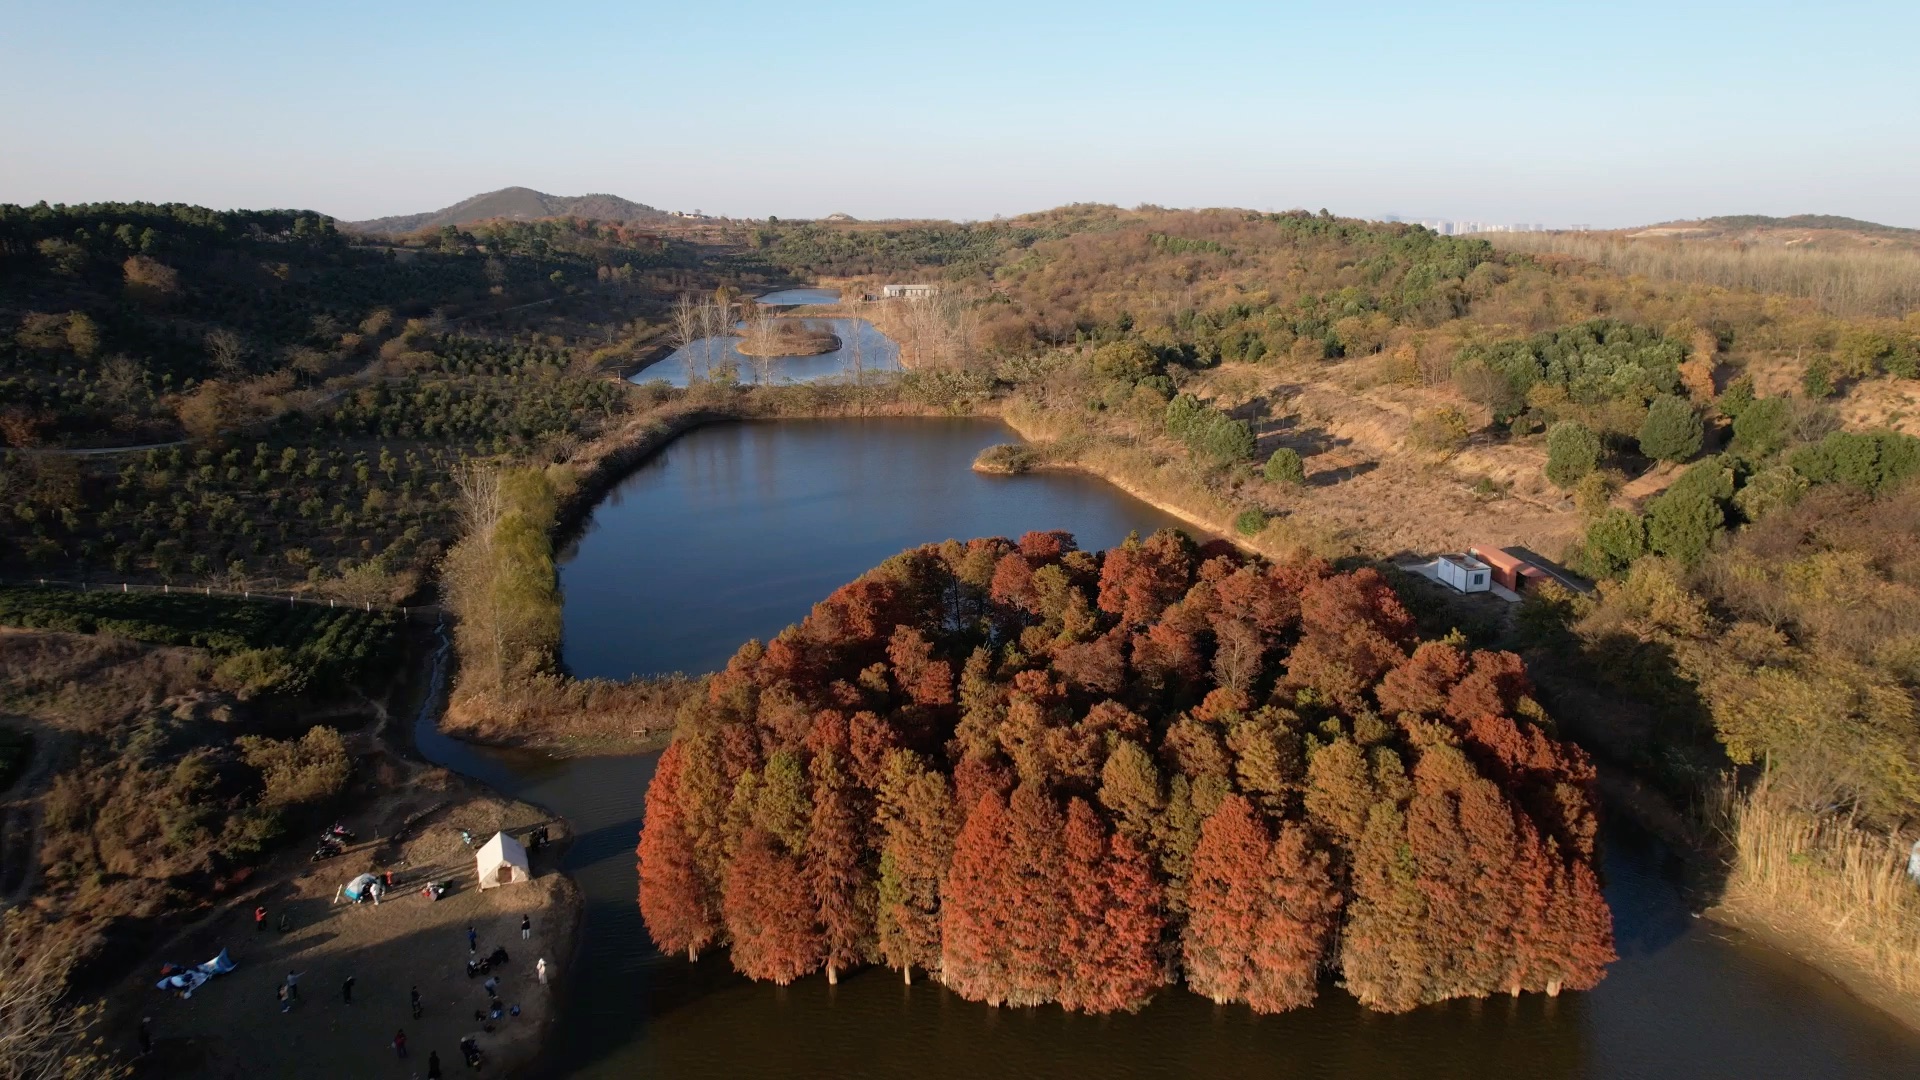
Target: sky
1604,114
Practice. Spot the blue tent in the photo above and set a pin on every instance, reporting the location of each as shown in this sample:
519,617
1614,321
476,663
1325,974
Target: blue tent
361,888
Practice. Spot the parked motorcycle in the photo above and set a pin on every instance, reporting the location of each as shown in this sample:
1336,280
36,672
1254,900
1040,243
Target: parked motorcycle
338,832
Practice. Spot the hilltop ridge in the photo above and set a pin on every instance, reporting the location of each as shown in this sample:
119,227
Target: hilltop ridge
513,204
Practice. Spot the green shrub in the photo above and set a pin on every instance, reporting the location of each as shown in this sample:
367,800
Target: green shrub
1672,430
1250,522
1817,380
1734,400
1770,490
1573,451
1125,361
1761,428
1870,461
1285,467
1682,524
1613,541
1010,459
1207,431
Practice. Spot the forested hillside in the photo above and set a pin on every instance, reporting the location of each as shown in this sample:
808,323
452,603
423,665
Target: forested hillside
314,396
1051,775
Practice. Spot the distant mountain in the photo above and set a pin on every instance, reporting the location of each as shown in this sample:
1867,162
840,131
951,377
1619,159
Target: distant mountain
1800,221
513,204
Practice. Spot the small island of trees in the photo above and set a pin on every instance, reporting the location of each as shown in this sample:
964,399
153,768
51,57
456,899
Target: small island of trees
1047,775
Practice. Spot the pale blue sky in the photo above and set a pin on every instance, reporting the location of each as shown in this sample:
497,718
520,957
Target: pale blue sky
1612,113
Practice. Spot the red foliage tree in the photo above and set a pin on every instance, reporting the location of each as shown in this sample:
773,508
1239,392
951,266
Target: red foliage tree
1035,900
1341,666
1294,932
1110,938
974,917
925,681
1227,903
771,921
677,904
1138,581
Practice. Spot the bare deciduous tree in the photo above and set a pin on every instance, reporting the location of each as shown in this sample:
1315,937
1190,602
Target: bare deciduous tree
228,351
686,326
42,1035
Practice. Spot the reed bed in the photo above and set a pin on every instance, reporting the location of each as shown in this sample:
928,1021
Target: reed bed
1882,283
1830,879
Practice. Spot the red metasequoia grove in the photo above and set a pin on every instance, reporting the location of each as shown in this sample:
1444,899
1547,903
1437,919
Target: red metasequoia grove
1041,774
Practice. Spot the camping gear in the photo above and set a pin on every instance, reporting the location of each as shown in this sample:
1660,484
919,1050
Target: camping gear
497,958
338,832
434,890
361,888
502,861
186,981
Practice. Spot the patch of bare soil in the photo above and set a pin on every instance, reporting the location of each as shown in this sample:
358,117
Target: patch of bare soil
1864,405
1377,492
234,1025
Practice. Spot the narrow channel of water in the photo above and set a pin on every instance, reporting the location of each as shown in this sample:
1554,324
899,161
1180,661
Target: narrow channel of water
862,348
803,297
735,530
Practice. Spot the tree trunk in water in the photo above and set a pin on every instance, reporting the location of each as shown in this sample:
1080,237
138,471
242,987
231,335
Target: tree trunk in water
1553,988
833,975
906,973
693,955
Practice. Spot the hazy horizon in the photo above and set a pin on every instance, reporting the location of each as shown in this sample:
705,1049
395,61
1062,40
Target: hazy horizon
1492,113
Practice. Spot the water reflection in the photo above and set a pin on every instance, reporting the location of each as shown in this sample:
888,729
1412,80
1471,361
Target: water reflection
862,348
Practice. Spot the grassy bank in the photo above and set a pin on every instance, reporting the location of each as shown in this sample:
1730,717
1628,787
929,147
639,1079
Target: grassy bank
499,581
1829,892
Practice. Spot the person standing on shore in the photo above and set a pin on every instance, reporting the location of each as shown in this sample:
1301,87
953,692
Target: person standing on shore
259,918
293,985
146,1035
540,969
413,1001
433,1065
526,928
473,940
346,991
400,1042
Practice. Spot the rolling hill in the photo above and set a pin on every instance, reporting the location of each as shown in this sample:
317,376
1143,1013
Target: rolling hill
513,204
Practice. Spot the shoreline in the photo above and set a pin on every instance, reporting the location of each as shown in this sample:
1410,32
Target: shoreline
624,451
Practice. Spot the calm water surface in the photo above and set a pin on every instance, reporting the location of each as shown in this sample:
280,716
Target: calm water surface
859,341
735,531
801,296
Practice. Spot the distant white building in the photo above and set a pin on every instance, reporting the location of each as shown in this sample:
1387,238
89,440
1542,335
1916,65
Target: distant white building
907,292
1464,572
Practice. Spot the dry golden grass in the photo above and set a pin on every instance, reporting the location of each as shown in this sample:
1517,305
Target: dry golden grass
1827,879
1874,282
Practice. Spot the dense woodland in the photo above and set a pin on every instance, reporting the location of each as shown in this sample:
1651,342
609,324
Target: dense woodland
1048,775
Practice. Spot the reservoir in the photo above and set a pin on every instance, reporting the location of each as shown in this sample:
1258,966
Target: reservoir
735,530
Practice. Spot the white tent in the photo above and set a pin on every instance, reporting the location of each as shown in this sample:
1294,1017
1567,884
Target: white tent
502,861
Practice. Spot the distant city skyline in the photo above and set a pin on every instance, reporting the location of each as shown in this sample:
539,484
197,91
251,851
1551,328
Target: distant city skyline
1612,115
